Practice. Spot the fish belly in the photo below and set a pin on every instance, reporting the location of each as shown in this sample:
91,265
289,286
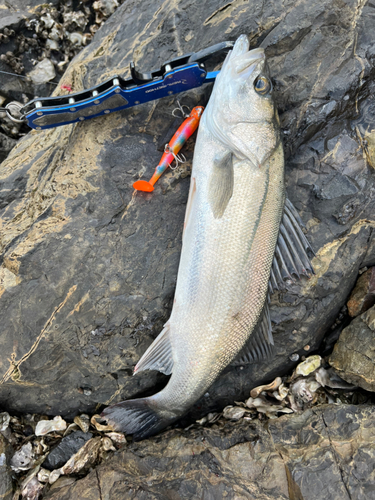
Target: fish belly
224,269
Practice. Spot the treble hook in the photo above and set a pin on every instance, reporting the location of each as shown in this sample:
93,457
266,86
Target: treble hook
179,158
181,109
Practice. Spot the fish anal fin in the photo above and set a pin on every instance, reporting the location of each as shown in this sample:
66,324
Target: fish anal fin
291,258
159,355
220,188
260,345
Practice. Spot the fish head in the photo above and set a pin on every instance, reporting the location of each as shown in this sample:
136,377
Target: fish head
241,112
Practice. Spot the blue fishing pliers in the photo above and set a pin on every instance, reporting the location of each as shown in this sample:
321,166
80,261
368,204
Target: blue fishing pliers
178,75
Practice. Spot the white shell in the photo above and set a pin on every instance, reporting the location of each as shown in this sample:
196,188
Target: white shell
310,364
45,426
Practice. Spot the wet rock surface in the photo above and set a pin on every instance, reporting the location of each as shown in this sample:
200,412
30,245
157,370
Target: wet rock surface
354,354
88,269
363,295
6,144
326,453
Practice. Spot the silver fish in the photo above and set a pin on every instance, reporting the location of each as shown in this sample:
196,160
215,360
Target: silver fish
231,229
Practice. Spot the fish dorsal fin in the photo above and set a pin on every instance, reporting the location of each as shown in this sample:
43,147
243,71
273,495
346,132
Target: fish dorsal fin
260,344
290,259
220,187
159,355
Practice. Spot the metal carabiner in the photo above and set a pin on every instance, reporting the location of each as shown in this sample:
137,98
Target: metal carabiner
7,110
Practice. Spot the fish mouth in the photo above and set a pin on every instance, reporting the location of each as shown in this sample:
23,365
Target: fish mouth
244,59
249,60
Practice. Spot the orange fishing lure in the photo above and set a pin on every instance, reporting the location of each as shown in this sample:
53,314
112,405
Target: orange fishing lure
186,129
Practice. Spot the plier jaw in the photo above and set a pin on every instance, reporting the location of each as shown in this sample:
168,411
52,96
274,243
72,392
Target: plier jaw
174,76
195,57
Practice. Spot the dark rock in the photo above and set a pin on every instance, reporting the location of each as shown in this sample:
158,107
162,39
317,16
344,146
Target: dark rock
6,144
363,295
326,453
354,356
6,487
342,320
68,446
85,458
84,258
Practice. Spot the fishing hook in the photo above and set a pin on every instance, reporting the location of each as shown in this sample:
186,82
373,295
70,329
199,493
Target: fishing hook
181,109
179,158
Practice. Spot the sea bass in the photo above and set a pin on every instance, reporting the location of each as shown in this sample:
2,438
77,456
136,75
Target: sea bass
228,263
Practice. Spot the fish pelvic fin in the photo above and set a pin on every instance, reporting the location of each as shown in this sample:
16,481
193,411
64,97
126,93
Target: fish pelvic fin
159,355
139,417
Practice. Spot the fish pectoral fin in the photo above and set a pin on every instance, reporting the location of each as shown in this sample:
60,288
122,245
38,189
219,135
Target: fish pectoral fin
291,250
260,345
220,187
159,355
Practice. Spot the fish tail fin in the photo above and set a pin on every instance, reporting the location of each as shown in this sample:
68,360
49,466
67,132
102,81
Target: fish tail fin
139,417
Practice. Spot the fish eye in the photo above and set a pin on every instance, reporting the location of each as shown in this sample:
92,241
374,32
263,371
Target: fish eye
262,85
